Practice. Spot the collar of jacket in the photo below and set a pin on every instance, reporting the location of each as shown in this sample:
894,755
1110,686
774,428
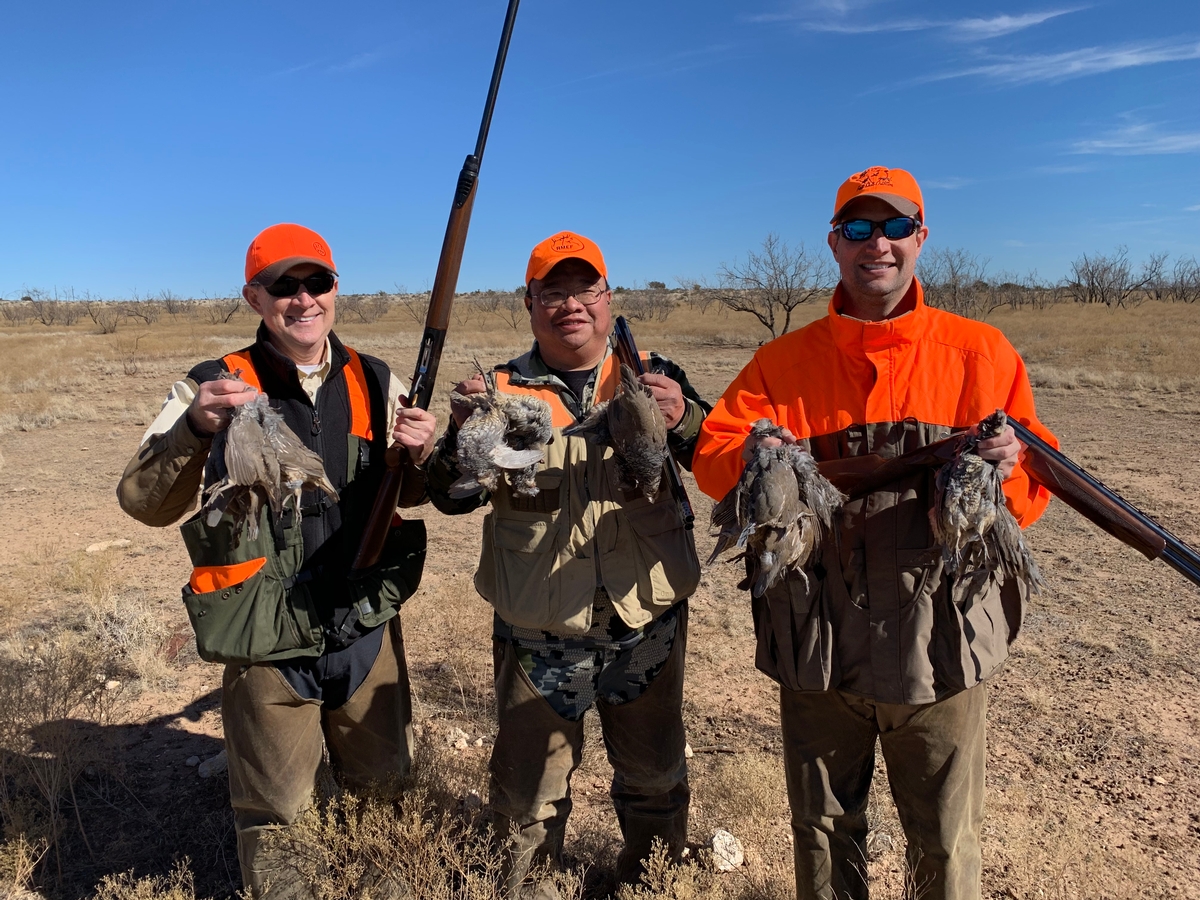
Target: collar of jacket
285,369
857,336
530,368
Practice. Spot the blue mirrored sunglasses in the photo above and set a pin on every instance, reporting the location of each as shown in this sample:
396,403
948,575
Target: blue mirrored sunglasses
894,229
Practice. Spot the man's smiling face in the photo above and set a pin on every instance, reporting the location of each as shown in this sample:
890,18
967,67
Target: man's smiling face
298,324
876,273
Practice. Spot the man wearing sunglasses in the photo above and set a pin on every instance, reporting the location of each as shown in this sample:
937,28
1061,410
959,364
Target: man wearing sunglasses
314,661
589,583
876,642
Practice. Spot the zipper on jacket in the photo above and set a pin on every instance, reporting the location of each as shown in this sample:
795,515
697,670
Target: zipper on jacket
316,423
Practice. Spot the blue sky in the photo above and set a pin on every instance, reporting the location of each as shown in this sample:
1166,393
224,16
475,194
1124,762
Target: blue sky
147,142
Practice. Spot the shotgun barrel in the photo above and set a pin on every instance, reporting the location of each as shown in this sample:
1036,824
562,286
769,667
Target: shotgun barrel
437,319
1104,507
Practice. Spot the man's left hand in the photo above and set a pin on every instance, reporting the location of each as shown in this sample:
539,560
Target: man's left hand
1003,451
415,430
668,396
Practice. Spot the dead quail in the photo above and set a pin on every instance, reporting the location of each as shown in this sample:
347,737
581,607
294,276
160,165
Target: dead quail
969,517
264,461
506,434
778,512
633,425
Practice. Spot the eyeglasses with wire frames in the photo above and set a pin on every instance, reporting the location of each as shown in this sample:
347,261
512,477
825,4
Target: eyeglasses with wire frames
556,297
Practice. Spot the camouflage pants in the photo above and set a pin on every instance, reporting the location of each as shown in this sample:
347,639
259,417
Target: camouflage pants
538,748
611,662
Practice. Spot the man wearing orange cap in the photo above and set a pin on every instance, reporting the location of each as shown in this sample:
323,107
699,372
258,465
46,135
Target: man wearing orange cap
314,660
589,583
876,641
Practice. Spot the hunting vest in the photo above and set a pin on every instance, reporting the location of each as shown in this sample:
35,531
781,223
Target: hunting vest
286,593
544,556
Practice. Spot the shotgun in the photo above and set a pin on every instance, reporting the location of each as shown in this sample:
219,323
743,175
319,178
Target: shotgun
1087,495
627,353
437,319
1104,507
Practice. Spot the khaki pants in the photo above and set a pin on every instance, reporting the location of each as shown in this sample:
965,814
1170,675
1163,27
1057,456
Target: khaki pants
275,741
935,757
537,751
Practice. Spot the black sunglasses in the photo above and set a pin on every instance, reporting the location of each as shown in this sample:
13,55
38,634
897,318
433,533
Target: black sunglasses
895,229
289,285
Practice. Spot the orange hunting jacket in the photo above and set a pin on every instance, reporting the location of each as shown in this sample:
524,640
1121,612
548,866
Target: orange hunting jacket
878,616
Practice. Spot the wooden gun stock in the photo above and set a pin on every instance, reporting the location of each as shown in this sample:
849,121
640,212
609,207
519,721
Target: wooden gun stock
437,318
856,476
627,353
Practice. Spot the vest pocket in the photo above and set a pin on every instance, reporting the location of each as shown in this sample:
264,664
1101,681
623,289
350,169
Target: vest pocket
659,549
914,570
979,630
253,621
243,600
515,568
794,633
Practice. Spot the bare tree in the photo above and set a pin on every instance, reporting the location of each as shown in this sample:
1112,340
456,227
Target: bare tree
1104,279
105,314
1184,284
649,303
145,308
221,310
508,305
415,305
16,312
172,304
45,307
770,285
956,280
1154,276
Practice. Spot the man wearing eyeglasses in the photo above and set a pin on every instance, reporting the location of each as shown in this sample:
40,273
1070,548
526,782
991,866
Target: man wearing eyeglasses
314,661
875,641
589,584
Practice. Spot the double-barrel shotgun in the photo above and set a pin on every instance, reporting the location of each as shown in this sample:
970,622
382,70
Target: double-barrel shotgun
1069,482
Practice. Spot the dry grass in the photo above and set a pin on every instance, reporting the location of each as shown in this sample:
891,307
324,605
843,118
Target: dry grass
178,885
46,690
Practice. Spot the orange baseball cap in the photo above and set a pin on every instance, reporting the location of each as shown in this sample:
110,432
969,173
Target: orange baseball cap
278,248
564,245
895,186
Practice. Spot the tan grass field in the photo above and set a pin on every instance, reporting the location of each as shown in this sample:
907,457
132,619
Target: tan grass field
1094,751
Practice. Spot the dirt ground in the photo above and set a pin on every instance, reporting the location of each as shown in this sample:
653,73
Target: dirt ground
1094,725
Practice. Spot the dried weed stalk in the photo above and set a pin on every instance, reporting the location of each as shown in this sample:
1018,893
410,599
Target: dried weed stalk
51,697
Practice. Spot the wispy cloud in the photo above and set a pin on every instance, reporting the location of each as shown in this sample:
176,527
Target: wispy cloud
1072,63
671,63
1195,208
854,17
1064,170
952,183
358,61
997,26
1141,139
350,64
